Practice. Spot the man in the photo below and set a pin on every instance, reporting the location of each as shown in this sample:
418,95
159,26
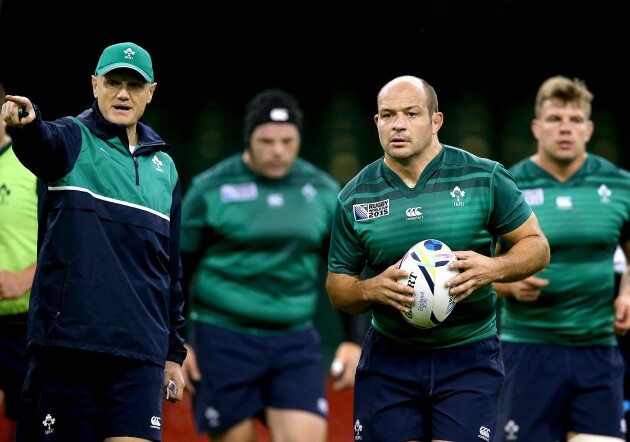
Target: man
18,251
255,236
439,384
564,370
105,315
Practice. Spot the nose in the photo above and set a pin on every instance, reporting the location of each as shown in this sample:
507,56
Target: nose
123,92
278,147
399,121
565,126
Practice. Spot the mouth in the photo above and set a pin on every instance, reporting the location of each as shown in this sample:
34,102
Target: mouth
398,141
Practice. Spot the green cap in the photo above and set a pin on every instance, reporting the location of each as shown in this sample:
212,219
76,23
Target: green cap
126,55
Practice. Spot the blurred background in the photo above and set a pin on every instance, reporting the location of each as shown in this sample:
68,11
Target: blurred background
485,60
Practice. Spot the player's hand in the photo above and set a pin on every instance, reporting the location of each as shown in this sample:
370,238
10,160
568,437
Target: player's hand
173,372
10,286
622,313
344,365
528,289
475,271
384,288
190,369
11,111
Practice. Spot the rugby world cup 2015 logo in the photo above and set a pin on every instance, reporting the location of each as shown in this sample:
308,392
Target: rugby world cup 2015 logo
367,211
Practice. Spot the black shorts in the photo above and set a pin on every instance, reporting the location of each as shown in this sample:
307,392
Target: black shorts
551,390
12,371
403,393
72,396
244,374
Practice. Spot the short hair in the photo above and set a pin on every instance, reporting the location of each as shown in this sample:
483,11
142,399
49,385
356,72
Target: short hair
432,101
566,90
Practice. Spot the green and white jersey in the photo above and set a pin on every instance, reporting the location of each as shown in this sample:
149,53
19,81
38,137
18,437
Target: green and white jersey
584,220
460,199
18,223
264,242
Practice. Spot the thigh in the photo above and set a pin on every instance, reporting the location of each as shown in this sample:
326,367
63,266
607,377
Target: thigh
296,426
536,391
597,401
297,374
465,391
233,367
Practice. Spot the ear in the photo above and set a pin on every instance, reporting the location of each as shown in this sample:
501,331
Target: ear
589,130
151,91
437,120
534,127
94,86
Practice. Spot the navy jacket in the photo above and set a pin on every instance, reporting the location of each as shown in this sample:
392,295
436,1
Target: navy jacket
109,268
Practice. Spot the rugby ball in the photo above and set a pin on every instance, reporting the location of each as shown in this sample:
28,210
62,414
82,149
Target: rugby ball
427,264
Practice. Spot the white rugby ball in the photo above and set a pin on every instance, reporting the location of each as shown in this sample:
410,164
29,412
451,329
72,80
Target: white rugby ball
427,264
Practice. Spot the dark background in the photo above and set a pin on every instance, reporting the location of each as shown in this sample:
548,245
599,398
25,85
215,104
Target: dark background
485,59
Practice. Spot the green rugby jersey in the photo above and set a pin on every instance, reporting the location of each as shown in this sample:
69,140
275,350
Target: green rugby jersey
264,242
584,219
18,222
460,199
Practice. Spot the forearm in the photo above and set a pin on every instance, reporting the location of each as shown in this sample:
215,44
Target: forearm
16,284
346,293
526,257
25,278
624,283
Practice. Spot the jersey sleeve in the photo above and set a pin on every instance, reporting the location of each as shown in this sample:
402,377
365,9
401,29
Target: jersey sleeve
347,254
194,211
510,209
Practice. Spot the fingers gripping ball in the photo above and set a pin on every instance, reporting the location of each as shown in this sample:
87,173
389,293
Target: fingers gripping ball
427,264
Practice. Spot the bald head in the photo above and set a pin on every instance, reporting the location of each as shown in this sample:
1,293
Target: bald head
410,86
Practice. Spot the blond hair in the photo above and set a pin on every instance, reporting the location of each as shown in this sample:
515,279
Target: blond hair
567,91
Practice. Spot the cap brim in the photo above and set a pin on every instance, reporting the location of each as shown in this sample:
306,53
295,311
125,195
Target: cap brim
111,67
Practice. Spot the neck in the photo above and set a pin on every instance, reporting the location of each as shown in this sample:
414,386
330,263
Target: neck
561,170
410,169
132,136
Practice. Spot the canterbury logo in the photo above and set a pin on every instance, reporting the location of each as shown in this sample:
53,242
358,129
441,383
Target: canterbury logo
156,422
413,211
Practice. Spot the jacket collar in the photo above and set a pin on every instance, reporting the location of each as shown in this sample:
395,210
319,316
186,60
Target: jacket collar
105,130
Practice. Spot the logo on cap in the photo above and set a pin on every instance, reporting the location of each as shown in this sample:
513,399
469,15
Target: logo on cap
279,114
126,55
129,53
